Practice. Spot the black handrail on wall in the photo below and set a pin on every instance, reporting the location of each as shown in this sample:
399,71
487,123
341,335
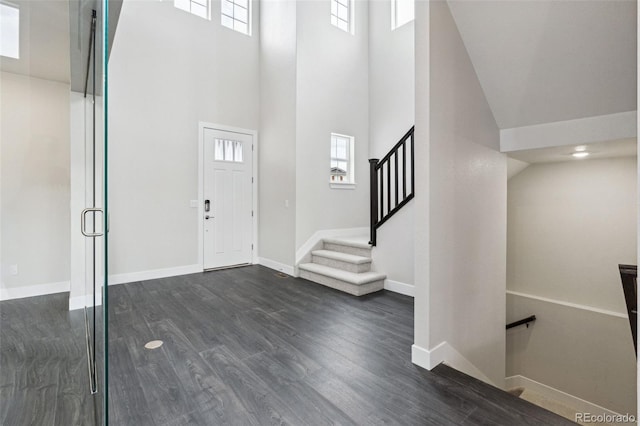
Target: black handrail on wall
629,276
398,194
526,320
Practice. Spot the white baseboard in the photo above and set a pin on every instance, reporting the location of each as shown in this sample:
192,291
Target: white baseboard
399,287
327,233
569,304
579,404
80,302
33,290
153,274
446,353
272,264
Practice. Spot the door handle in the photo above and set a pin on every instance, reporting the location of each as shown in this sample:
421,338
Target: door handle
83,222
207,217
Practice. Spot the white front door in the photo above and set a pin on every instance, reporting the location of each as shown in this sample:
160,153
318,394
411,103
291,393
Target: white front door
227,212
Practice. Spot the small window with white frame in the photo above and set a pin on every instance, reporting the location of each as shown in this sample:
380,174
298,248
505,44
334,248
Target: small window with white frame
342,14
402,12
342,149
236,14
9,31
201,8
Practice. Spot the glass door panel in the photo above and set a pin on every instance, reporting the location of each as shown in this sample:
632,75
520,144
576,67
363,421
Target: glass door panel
89,76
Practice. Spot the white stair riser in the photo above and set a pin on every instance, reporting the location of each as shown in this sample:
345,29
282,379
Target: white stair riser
339,264
348,249
356,290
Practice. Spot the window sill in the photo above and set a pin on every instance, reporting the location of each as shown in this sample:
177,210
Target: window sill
343,185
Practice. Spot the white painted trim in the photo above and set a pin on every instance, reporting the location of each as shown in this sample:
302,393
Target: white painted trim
79,302
445,353
272,264
327,233
76,303
254,134
570,132
347,185
579,404
425,358
399,287
569,304
154,274
9,293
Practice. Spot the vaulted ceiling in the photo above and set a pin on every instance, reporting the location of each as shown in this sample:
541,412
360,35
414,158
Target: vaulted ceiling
547,61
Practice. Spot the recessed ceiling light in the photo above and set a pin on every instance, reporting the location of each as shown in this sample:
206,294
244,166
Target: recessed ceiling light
580,154
580,148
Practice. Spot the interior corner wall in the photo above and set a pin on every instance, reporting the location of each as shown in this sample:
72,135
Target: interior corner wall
466,208
34,152
569,226
168,71
277,155
391,115
332,96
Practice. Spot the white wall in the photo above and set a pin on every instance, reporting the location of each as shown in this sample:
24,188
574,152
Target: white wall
461,253
34,143
168,71
391,114
332,96
569,226
277,163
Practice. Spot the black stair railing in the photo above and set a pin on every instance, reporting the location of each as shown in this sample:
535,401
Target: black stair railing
391,182
526,321
629,276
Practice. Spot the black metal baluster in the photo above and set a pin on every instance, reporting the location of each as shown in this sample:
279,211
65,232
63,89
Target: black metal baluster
413,174
395,181
381,185
388,186
404,169
373,194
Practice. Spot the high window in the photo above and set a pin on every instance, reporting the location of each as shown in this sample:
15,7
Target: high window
236,14
341,159
402,12
342,14
199,8
9,31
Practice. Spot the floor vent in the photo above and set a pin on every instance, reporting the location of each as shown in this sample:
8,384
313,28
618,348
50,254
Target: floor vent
154,344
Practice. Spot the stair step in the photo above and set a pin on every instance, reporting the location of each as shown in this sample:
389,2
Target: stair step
357,246
343,261
357,284
344,257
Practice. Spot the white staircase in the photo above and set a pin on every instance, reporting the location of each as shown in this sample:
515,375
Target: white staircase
343,264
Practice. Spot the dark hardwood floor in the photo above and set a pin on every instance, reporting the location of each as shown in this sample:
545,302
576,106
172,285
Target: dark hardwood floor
241,347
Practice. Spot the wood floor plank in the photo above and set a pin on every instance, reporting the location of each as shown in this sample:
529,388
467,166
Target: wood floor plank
241,346
289,383
128,404
201,384
258,400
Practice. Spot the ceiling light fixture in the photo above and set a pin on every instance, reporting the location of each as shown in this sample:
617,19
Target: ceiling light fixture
580,154
580,148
